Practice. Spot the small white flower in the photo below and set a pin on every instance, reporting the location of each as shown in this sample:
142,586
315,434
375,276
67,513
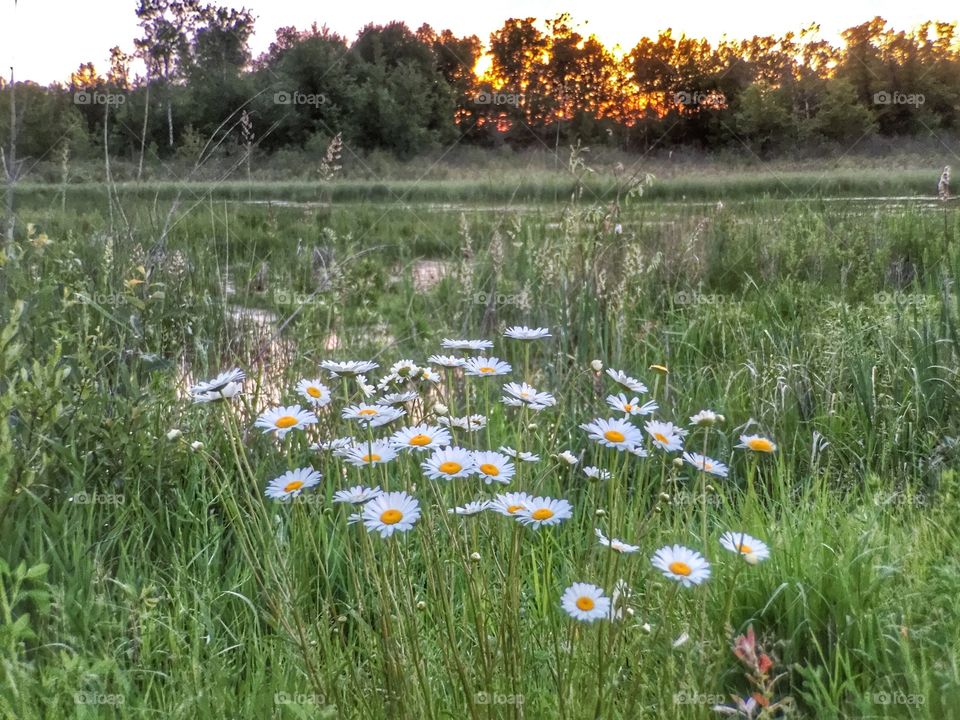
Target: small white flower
752,549
372,415
314,391
684,565
448,463
568,457
615,544
174,434
196,446
378,452
292,483
391,512
708,465
631,406
522,332
595,473
626,382
448,344
510,504
705,418
665,435
541,511
585,602
596,365
520,394
350,367
230,377
520,455
230,390
471,508
340,443
282,420
757,443
486,367
613,433
356,495
493,467
449,361
470,424
421,437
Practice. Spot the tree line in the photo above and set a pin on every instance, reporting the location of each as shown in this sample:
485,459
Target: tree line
411,91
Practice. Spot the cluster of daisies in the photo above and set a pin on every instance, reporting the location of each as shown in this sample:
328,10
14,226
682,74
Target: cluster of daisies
401,394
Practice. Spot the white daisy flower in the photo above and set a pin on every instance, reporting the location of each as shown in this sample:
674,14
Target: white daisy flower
752,549
708,465
613,433
595,473
349,367
686,566
639,451
470,424
493,467
391,512
340,443
519,394
379,452
284,419
448,344
665,435
544,511
511,503
429,375
356,495
230,390
314,392
471,508
366,388
486,367
585,602
372,415
614,544
522,332
404,369
292,483
448,463
230,377
705,418
757,443
354,518
631,406
519,454
399,398
568,457
447,360
421,437
626,382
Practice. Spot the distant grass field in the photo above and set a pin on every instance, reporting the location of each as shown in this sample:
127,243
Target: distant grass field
145,574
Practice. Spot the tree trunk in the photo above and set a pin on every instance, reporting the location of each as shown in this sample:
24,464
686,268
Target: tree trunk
143,135
10,166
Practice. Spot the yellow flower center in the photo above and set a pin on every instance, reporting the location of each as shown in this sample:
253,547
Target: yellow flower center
760,445
707,465
314,392
660,437
628,407
585,603
615,436
371,458
514,508
286,421
391,517
745,549
450,467
680,568
542,514
488,469
291,486
420,440
487,370
367,411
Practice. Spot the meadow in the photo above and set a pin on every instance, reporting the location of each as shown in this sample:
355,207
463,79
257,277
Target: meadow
158,562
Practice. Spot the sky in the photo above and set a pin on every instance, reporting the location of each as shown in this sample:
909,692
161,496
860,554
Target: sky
45,40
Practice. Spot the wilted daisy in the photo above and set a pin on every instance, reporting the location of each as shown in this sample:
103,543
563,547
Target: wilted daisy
631,406
356,495
448,463
665,435
292,483
314,391
585,602
757,443
705,418
684,565
470,424
349,367
613,433
221,381
284,419
749,547
595,473
544,511
511,503
372,415
447,360
493,467
420,437
614,544
626,382
466,344
376,453
519,454
399,398
519,394
709,465
391,512
471,508
486,367
522,332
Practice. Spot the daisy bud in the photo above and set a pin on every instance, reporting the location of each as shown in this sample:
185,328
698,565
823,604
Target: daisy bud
665,497
174,434
440,409
475,556
196,446
597,365
568,457
421,605
341,619
630,611
721,418
531,427
646,628
681,640
678,463
600,512
710,488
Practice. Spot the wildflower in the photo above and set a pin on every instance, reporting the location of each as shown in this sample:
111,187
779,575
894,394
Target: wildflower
448,463
585,602
471,508
284,419
174,434
544,511
340,443
440,409
705,418
662,369
486,367
447,360
292,483
470,424
596,365
420,438
595,473
314,391
568,457
391,512
349,367
520,455
221,381
518,332
510,503
749,547
615,544
665,435
520,394
372,415
356,495
448,344
377,452
626,382
196,446
632,406
613,433
757,443
708,465
399,398
686,566
493,467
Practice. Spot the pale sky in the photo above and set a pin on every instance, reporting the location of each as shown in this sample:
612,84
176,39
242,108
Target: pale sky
46,40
